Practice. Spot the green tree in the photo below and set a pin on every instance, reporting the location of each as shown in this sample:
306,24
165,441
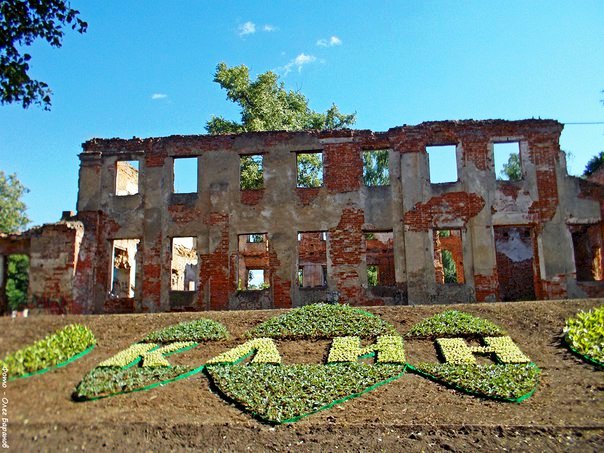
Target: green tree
21,23
511,169
594,164
251,172
309,170
449,268
17,281
13,219
12,209
267,106
375,168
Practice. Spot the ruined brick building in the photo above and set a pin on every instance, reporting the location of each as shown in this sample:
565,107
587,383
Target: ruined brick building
138,244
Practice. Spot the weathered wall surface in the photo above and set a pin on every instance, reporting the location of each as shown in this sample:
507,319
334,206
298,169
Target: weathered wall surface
546,202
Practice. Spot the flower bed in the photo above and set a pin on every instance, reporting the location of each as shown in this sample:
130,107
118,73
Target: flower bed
103,381
264,349
286,393
389,349
56,350
199,330
512,378
322,321
584,335
143,365
508,382
454,323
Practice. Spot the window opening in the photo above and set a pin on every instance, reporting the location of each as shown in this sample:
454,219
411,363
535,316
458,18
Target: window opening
372,275
126,180
17,280
514,248
309,168
256,280
255,238
442,161
312,259
448,256
379,246
507,161
123,267
251,172
587,247
185,174
184,264
253,262
376,171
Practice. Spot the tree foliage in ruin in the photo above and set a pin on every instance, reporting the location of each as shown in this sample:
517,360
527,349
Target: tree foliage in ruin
13,219
594,164
12,209
21,23
512,171
375,168
267,106
251,172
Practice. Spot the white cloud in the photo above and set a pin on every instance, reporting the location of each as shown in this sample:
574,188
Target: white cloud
248,28
332,41
298,62
269,28
156,96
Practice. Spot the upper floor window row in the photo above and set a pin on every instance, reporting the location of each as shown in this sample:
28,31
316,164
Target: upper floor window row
309,172
444,168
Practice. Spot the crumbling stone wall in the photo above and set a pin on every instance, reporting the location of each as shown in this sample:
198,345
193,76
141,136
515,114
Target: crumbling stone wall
546,202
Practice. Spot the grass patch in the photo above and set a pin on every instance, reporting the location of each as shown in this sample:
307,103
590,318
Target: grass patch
52,351
508,382
285,393
110,381
322,321
200,330
584,333
453,323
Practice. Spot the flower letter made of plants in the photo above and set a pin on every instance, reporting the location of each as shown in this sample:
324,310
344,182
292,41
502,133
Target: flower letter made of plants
283,393
510,377
54,351
143,365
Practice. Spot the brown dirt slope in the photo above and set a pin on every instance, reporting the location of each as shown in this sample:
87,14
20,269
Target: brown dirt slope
566,413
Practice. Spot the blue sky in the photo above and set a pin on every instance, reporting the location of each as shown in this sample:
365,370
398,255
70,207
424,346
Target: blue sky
145,69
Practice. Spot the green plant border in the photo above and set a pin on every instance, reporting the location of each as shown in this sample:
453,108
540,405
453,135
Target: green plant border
54,367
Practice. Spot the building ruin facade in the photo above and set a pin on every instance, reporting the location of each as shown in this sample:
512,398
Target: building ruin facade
287,236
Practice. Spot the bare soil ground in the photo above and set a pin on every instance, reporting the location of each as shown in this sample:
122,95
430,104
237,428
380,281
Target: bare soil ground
565,414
